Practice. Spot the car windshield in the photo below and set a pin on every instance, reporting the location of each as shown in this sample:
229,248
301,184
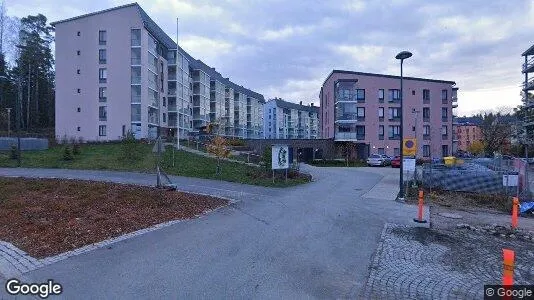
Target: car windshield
375,156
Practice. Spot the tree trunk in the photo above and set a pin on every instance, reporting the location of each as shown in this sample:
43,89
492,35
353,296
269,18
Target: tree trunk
28,101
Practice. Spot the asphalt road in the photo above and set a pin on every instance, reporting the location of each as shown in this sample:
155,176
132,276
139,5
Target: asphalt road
311,241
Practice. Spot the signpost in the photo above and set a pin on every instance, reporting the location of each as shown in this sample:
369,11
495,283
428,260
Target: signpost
280,158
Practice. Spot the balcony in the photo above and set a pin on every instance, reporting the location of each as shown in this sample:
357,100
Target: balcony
136,79
171,92
136,61
529,85
352,97
528,66
349,118
350,136
171,108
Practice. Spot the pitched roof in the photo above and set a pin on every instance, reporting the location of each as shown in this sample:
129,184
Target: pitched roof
291,105
387,76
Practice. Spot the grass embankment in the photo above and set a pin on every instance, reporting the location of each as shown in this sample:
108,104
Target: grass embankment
139,157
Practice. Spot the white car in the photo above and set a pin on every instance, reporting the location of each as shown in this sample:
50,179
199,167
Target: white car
377,160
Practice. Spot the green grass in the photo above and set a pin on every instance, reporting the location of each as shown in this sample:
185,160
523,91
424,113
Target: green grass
140,158
337,163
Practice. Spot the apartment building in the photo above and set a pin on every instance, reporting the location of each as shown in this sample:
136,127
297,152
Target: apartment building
467,134
365,108
288,120
117,70
528,97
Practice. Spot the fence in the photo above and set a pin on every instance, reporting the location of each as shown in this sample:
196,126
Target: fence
485,176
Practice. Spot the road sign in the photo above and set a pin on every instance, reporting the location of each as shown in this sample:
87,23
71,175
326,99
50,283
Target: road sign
410,147
408,164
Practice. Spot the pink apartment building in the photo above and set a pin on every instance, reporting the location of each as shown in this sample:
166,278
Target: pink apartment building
467,134
364,108
118,71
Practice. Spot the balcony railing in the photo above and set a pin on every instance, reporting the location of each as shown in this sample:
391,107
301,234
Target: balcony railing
529,85
172,76
444,119
171,107
352,97
171,92
135,42
136,79
444,101
426,119
136,61
528,64
349,136
349,117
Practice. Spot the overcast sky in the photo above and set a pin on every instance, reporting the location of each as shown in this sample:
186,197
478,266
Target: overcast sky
286,48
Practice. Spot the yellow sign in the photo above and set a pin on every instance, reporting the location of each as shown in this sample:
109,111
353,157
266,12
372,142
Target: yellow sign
409,147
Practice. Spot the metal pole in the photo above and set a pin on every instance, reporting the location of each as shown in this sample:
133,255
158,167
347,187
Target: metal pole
178,69
17,117
8,121
401,179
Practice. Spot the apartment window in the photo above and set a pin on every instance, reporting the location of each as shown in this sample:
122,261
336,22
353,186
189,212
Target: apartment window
381,151
102,37
394,132
426,131
102,130
396,151
79,91
381,132
443,94
164,118
394,113
426,150
123,130
445,150
79,109
269,117
102,113
381,95
413,92
78,71
360,95
102,75
444,130
444,114
381,114
394,95
102,94
102,56
164,102
426,95
136,37
360,112
78,33
78,128
78,52
426,114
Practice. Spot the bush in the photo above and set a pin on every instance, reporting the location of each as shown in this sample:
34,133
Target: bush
267,158
131,149
14,154
67,153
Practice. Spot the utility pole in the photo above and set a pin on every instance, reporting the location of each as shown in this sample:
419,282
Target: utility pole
17,118
178,69
8,120
28,102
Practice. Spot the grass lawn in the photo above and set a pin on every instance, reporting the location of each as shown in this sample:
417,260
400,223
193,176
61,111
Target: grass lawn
139,157
337,163
45,217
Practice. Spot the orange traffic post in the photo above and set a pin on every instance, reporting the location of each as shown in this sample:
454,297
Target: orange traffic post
515,208
419,218
508,267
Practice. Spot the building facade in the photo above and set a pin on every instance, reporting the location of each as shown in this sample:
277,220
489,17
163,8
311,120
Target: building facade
288,120
527,136
365,108
467,134
118,71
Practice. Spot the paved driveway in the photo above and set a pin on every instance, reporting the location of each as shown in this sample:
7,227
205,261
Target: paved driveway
308,241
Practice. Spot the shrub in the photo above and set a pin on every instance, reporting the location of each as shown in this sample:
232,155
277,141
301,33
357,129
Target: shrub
267,158
67,153
131,149
14,154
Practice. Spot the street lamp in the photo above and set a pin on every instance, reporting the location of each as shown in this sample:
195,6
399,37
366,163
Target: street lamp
402,56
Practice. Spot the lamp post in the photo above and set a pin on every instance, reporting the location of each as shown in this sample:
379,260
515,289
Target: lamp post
402,56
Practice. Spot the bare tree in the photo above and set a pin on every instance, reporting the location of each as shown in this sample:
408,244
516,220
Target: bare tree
496,131
218,144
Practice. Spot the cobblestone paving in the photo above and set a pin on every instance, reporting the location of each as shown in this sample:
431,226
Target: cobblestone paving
421,263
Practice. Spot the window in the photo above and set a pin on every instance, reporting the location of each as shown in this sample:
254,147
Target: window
102,94
426,114
136,37
445,150
444,129
443,94
164,118
394,132
102,130
444,114
78,52
381,112
426,130
164,103
269,117
381,132
78,128
360,95
426,95
102,37
102,56
426,150
381,94
123,130
394,113
102,75
78,33
102,113
78,71
413,128
79,109
394,95
381,151
413,93
396,151
79,91
361,112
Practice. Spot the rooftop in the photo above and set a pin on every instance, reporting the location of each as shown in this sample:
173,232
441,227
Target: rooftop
291,105
388,76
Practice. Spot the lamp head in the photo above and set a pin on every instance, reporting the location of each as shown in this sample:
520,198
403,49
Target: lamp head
403,55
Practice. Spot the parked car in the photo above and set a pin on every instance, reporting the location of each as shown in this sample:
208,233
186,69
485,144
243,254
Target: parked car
387,159
396,162
377,160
